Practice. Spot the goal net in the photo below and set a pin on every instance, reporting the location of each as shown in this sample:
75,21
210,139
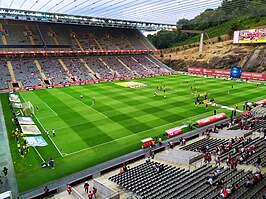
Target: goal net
28,109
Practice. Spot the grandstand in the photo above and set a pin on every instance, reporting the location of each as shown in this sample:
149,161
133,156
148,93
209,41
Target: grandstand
42,55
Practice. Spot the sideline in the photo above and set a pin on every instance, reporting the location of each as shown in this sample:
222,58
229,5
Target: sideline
38,154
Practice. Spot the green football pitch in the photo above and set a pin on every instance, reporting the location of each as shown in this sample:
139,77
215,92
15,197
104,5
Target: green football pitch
110,120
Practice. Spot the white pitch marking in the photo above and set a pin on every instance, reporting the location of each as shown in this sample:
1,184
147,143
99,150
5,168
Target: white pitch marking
50,108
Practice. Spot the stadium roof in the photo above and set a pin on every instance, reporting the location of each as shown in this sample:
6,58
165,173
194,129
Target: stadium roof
155,11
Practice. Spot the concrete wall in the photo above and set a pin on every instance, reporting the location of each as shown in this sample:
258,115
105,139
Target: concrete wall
105,191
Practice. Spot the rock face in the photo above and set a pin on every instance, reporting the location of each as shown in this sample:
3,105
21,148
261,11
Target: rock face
222,55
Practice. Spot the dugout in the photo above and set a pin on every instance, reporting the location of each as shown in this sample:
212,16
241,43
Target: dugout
211,119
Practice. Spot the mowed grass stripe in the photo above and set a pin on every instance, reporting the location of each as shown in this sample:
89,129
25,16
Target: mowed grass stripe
76,123
64,137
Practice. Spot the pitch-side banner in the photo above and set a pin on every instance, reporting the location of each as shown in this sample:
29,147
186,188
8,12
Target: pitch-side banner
25,120
226,73
30,129
36,141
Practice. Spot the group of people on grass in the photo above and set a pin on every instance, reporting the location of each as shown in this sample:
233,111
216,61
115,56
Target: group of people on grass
21,141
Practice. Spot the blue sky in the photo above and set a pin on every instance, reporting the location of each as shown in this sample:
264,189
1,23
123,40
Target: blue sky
157,11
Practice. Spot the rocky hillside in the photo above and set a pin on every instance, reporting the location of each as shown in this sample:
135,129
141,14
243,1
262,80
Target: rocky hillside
221,55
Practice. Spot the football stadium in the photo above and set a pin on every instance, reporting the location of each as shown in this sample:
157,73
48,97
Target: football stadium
132,99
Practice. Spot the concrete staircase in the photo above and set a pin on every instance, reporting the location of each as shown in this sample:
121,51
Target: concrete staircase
113,41
39,68
128,42
3,37
96,41
11,71
142,65
152,62
105,64
65,69
55,40
30,36
143,43
77,41
86,65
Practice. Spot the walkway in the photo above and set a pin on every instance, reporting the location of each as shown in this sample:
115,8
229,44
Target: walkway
9,182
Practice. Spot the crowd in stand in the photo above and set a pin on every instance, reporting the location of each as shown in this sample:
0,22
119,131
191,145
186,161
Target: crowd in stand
243,152
54,71
4,75
26,71
90,38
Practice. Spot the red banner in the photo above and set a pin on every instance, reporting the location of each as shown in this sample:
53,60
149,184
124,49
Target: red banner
222,72
245,75
211,119
208,71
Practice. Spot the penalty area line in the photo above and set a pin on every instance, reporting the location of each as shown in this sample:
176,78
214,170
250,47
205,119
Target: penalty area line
45,131
50,108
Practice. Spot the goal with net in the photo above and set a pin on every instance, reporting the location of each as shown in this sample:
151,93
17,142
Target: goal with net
28,109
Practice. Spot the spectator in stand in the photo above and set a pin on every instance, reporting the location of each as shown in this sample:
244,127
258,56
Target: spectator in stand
259,176
86,186
94,191
254,180
217,161
151,154
227,163
69,189
210,180
258,162
232,164
205,157
234,150
234,187
184,141
90,195
160,141
209,157
248,183
125,168
223,192
219,182
229,189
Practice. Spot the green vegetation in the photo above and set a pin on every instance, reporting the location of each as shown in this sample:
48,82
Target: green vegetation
230,16
88,132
